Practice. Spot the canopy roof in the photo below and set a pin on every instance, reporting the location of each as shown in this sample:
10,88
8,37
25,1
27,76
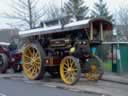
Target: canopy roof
58,28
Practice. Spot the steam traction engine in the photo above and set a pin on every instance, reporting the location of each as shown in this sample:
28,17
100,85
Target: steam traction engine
67,50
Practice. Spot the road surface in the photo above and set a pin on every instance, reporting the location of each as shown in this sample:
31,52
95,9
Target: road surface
17,85
10,87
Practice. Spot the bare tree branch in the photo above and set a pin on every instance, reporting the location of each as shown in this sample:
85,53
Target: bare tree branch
52,12
122,15
27,11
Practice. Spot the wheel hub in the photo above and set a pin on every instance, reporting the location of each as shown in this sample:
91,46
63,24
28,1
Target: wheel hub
93,68
70,70
32,61
92,74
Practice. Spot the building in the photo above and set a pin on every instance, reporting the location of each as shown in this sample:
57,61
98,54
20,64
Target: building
7,35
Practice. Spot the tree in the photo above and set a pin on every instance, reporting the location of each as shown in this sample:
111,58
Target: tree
53,12
26,12
122,15
76,8
122,23
100,9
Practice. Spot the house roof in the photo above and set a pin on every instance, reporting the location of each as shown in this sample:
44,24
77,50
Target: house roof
4,43
6,35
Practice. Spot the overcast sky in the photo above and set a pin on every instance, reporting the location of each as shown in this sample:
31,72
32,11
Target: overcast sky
112,4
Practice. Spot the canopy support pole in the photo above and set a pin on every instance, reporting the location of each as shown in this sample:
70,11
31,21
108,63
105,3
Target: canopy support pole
101,31
91,33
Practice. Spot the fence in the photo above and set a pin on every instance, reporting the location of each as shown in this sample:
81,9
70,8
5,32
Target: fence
114,56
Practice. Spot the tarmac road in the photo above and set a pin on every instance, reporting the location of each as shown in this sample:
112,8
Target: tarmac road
19,85
10,87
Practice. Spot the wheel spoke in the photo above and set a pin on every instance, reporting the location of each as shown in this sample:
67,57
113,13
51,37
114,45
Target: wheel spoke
27,65
37,59
36,70
29,69
26,59
68,77
33,52
25,55
37,62
36,55
37,66
65,71
29,52
65,68
75,71
33,71
67,63
71,63
73,77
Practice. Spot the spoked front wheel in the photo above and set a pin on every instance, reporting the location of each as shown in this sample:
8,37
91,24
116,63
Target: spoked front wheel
70,70
95,69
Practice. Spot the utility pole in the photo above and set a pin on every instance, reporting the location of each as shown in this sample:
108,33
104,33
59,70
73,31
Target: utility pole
61,20
118,50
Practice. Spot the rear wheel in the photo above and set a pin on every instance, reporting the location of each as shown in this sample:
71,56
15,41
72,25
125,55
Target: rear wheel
33,61
70,70
95,70
3,63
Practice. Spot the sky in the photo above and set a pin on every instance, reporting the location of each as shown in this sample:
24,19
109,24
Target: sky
5,7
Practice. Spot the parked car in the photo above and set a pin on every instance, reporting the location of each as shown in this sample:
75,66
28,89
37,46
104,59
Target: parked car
9,57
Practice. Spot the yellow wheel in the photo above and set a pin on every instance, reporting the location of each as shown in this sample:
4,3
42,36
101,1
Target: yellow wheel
95,70
32,57
70,70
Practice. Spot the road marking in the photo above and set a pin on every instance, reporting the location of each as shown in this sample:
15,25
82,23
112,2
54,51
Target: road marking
1,94
49,85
